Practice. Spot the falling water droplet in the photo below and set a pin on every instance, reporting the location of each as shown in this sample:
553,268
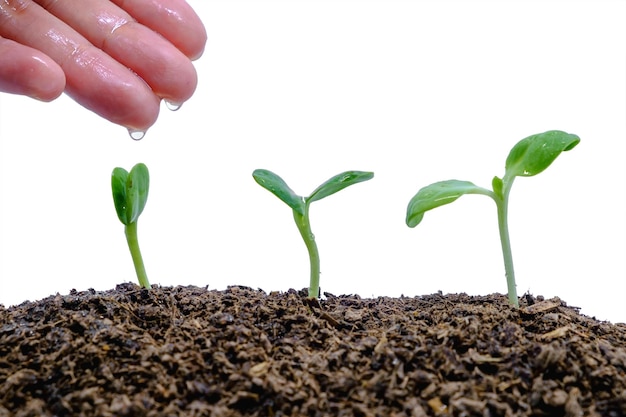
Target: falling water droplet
172,106
136,134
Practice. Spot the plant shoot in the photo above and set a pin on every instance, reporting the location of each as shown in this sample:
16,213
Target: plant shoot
529,157
130,193
300,206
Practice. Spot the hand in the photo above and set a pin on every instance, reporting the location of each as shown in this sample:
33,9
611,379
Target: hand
87,47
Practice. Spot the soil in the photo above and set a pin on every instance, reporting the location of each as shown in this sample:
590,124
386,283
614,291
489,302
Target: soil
189,351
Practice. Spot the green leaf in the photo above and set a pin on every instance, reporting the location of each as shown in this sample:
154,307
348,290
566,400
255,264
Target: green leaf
130,192
438,194
338,183
137,186
532,155
277,186
118,186
497,186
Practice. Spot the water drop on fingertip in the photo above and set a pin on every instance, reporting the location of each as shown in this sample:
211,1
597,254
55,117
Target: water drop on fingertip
136,134
172,106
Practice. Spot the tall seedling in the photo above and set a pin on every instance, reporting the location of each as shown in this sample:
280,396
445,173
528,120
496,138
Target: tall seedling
529,157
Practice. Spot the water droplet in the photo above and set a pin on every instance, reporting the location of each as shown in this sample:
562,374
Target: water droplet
136,134
172,106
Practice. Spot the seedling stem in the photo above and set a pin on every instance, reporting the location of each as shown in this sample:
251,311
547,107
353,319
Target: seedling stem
502,205
304,226
135,253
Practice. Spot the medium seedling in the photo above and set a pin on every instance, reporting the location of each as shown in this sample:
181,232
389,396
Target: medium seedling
130,193
300,206
529,157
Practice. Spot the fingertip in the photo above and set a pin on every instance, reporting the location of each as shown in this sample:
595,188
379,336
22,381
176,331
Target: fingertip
197,43
27,71
142,122
47,88
169,73
182,86
175,20
140,110
136,113
115,94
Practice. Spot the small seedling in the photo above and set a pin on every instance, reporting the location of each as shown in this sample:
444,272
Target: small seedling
529,157
130,193
300,207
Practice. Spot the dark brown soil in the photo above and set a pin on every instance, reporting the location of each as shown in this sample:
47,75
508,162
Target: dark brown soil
188,351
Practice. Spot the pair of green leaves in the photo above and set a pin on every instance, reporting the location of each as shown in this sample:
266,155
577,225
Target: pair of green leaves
277,186
130,192
528,157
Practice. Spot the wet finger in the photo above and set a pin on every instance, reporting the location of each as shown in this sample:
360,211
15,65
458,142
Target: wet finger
174,19
27,71
93,79
167,70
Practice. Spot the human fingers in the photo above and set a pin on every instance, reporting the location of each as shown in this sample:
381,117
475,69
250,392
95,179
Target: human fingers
93,78
27,71
173,19
168,72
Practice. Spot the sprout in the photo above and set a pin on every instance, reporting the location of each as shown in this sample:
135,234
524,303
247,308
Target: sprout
529,157
300,207
130,193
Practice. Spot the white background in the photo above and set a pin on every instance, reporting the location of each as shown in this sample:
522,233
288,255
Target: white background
415,91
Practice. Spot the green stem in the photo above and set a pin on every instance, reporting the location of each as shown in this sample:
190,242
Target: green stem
502,205
133,245
302,221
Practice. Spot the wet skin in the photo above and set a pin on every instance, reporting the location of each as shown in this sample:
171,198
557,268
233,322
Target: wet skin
86,49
